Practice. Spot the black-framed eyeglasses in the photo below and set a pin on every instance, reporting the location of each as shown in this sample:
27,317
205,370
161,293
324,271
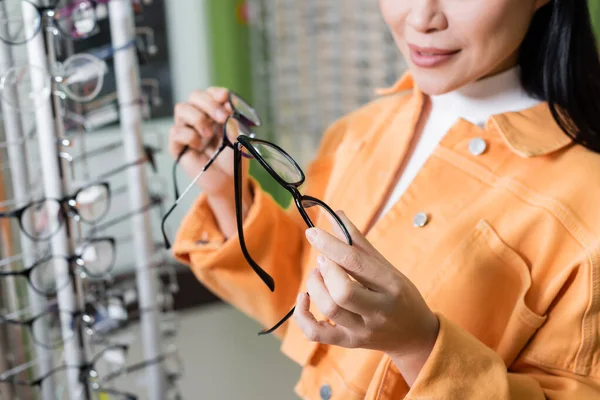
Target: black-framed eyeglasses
45,328
41,219
241,111
94,258
86,373
286,171
278,163
75,21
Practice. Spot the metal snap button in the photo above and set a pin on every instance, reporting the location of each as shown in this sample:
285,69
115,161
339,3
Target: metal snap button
477,146
420,220
325,392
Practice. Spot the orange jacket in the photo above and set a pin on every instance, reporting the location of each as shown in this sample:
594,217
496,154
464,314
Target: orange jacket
509,256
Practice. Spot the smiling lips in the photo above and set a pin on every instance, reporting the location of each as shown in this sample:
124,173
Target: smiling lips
429,57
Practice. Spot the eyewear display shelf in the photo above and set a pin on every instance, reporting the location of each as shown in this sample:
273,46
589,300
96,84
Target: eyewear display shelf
54,184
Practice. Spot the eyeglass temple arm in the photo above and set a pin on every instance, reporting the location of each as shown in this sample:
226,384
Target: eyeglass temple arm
10,213
154,200
98,151
264,276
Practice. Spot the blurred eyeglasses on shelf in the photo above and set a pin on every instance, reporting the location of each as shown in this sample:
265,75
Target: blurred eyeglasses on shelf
46,327
22,20
94,258
27,87
111,358
41,219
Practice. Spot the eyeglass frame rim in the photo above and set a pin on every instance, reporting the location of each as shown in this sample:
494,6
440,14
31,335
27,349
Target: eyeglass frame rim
225,142
71,260
43,13
72,210
84,369
296,195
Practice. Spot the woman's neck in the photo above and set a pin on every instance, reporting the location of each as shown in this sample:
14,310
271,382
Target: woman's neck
477,101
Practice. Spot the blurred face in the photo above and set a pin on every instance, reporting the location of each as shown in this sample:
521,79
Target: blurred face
449,43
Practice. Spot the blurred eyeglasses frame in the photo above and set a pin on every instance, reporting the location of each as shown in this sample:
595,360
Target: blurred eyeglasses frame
76,260
86,371
69,202
77,317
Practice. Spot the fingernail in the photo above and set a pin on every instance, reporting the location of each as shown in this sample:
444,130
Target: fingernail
321,260
311,235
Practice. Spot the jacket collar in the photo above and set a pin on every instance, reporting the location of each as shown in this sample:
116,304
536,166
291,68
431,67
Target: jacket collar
528,133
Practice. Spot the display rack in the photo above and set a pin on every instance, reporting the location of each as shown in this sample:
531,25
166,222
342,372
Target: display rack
56,184
128,90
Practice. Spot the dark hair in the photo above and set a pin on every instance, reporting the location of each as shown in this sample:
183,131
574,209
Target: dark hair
560,64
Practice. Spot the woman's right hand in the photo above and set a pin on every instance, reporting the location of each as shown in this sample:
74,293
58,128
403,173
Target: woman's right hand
199,125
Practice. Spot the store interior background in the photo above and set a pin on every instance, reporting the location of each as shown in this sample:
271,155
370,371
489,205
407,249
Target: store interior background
224,358
327,71
208,44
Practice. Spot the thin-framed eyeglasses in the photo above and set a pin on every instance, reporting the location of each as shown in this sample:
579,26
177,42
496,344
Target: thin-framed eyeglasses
23,19
45,327
242,111
79,78
86,373
95,258
41,219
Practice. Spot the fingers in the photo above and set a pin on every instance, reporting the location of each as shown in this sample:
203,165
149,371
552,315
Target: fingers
345,292
180,136
316,331
365,269
358,239
187,114
321,297
211,102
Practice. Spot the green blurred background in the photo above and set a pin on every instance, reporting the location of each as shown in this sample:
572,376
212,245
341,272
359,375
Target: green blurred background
229,43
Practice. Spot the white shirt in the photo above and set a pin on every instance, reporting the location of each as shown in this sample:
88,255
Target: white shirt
474,102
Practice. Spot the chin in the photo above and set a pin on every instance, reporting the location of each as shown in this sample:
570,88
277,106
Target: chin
434,82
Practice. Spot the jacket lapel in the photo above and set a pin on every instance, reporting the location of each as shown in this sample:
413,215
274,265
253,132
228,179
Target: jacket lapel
371,172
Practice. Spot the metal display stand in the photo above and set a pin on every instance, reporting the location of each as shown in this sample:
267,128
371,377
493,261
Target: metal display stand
53,188
49,127
128,89
20,178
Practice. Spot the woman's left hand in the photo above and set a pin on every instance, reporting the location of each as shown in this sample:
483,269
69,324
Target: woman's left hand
369,302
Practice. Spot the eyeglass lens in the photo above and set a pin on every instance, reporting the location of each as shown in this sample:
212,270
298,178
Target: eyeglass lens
278,161
15,16
97,257
25,88
44,277
76,20
42,219
92,202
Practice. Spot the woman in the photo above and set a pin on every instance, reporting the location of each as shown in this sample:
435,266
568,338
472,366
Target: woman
471,190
